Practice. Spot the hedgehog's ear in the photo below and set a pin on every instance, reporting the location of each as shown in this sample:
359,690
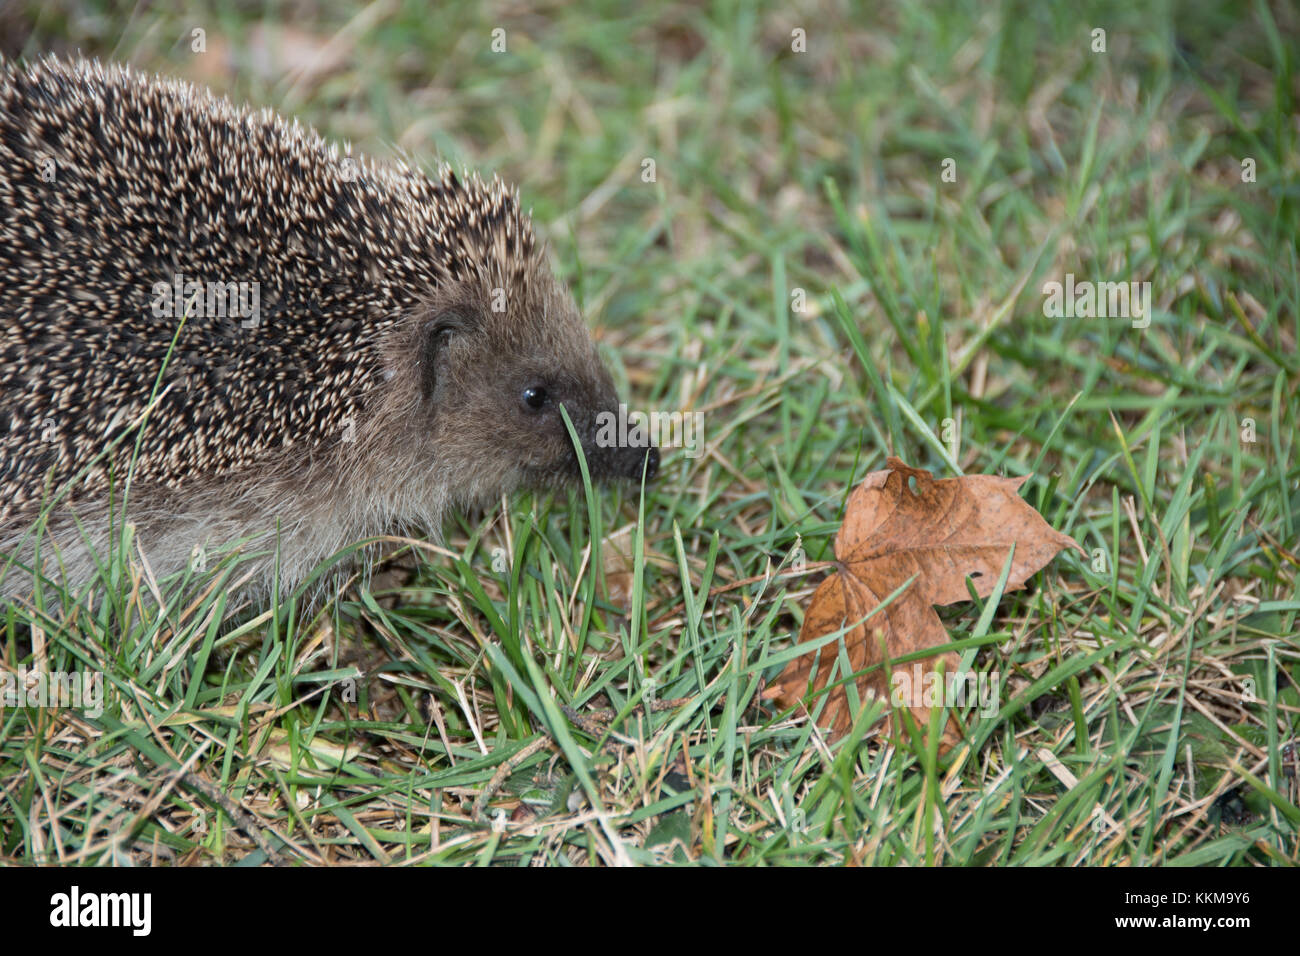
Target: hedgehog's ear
435,332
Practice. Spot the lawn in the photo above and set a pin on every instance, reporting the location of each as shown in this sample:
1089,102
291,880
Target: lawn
832,231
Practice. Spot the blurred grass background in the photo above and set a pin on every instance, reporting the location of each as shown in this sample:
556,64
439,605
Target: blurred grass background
1149,693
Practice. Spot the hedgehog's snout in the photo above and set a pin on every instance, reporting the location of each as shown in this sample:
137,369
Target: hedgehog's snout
619,453
627,462
638,460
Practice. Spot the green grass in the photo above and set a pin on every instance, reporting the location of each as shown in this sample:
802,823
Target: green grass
1150,700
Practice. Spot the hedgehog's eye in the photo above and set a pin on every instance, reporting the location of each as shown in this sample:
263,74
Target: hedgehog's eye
535,397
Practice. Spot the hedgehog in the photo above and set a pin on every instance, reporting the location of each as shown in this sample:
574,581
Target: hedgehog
222,329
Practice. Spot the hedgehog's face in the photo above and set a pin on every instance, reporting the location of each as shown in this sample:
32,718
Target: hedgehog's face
496,383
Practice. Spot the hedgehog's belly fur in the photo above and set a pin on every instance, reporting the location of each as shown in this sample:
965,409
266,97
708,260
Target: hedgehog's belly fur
277,519
284,519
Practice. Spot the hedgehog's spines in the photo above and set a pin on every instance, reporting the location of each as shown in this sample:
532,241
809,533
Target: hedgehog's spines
157,183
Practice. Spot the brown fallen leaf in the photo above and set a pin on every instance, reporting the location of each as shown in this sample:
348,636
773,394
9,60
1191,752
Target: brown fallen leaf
901,523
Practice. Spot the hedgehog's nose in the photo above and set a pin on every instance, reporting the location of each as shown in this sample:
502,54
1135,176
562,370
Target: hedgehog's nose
647,461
